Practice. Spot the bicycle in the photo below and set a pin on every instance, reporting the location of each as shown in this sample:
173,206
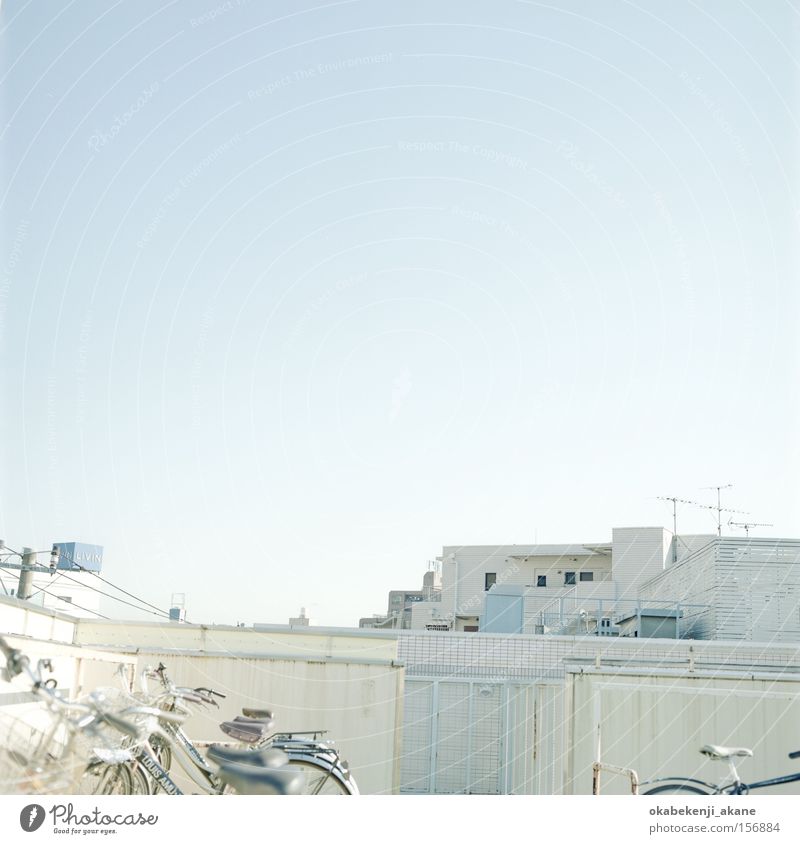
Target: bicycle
150,763
732,784
56,759
325,772
74,751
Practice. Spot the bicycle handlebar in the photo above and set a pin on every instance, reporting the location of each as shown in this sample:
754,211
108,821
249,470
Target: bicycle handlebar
204,690
795,754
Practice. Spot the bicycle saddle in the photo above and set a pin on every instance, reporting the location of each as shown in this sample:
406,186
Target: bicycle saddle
269,757
258,713
249,732
265,722
250,779
714,751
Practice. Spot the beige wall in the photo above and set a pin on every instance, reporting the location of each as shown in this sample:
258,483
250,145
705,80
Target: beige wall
656,725
350,685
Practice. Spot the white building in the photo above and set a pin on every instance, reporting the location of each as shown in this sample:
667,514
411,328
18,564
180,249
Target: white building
74,593
745,589
717,587
401,603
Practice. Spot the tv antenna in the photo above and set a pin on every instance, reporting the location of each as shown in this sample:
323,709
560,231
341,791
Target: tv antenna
748,525
719,508
675,501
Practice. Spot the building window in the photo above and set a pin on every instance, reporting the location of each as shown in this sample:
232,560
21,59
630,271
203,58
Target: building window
489,580
587,575
569,578
541,580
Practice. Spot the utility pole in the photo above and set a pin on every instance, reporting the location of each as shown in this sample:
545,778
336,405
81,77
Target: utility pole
26,574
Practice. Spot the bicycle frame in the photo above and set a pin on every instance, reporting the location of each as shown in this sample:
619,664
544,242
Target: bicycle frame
307,749
189,758
744,788
158,775
731,785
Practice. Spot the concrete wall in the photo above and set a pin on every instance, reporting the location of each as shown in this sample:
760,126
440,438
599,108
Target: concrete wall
542,735
426,612
657,724
24,619
347,683
638,554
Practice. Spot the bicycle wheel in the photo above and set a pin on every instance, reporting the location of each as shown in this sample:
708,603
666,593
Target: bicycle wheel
140,781
162,751
678,788
100,778
322,778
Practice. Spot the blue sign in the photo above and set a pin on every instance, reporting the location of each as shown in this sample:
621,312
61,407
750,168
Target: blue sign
75,556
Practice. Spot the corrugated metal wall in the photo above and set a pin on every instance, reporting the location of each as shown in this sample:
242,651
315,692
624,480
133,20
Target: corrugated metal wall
657,724
495,714
752,587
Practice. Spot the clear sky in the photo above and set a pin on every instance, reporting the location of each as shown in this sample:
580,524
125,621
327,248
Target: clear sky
293,294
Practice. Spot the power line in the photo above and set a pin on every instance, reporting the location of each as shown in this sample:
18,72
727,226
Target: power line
99,591
73,604
107,582
49,584
120,589
59,598
159,610
114,597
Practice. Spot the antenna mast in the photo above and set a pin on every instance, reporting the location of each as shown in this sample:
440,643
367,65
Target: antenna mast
675,501
748,525
719,508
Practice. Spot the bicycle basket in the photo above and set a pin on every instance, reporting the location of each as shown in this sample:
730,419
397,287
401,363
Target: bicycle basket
35,760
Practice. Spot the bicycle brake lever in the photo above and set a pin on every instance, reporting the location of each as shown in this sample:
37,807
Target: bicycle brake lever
209,691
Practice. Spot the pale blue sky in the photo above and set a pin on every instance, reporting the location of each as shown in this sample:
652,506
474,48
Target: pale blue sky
293,295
